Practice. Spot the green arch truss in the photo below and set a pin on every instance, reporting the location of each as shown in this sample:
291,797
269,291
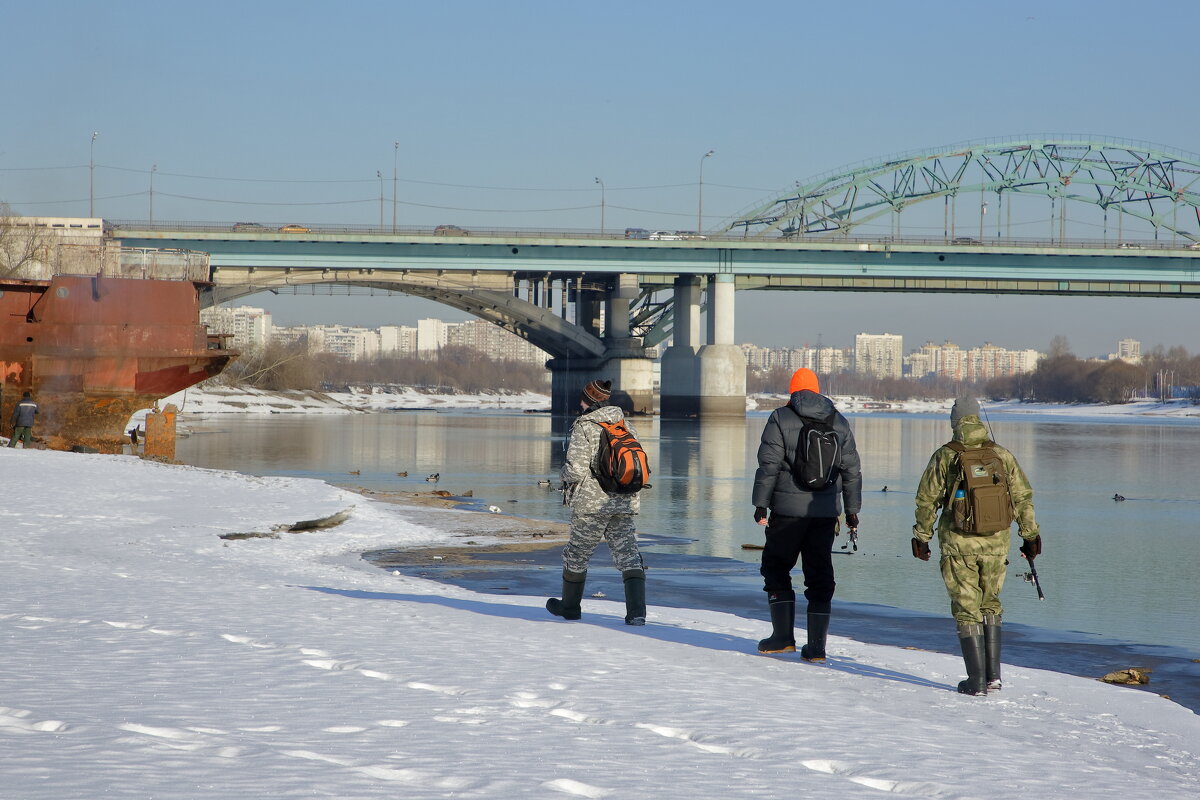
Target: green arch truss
1147,181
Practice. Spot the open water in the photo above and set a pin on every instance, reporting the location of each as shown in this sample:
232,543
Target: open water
1112,571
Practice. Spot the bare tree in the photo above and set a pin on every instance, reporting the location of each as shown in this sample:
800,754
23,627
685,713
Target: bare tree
22,243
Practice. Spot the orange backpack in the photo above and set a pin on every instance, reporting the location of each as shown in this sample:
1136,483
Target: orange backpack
621,464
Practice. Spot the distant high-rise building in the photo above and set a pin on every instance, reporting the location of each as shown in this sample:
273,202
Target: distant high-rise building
432,335
948,360
1129,350
822,360
879,354
397,340
251,327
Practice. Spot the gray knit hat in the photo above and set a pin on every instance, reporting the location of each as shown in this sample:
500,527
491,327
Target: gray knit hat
963,407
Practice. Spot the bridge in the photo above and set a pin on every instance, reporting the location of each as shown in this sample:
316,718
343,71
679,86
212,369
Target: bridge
596,302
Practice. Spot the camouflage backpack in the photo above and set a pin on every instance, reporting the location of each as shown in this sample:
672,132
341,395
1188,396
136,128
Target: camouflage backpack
979,497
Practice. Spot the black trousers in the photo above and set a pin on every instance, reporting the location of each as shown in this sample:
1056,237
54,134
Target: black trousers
809,540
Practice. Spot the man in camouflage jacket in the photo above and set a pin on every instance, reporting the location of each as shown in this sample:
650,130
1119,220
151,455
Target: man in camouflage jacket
973,566
597,515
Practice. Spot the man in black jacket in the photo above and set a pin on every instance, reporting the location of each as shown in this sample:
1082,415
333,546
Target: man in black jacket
22,421
803,522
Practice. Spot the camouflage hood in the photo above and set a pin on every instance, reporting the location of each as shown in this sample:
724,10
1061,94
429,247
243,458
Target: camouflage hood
971,432
602,414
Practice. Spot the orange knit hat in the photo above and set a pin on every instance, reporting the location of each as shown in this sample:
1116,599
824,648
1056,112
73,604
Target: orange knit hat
804,378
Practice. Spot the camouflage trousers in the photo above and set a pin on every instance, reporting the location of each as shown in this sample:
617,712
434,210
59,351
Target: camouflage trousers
587,530
974,584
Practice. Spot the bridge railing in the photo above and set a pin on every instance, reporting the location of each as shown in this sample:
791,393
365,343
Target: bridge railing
670,239
129,262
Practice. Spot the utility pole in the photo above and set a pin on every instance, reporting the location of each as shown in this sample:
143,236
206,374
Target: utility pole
92,176
700,196
601,205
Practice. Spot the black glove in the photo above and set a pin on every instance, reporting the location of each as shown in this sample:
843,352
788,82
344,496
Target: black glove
852,520
1032,548
920,549
760,514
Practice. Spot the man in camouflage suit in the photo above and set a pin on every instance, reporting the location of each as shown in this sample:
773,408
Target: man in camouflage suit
973,565
596,514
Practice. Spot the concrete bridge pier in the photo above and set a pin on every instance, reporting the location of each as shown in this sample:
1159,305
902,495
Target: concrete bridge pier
624,361
680,380
722,365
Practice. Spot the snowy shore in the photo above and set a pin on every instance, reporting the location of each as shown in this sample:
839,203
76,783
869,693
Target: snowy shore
146,656
230,400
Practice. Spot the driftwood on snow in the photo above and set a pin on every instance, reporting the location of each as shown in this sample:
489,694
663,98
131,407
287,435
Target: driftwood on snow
332,521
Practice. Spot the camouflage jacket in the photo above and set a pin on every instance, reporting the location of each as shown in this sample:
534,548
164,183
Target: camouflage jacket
931,498
584,494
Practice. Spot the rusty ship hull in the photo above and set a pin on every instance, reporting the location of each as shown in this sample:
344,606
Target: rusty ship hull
94,349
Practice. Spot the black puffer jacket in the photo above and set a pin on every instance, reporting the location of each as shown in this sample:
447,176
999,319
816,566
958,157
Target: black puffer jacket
774,486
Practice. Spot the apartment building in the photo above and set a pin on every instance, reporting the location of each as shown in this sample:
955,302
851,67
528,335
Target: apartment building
879,354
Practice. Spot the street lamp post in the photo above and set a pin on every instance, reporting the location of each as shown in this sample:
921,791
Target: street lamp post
700,197
92,176
153,169
601,205
379,175
395,156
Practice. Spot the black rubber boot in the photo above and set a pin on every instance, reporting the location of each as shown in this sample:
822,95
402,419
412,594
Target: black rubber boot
970,637
991,644
572,595
635,596
818,628
783,624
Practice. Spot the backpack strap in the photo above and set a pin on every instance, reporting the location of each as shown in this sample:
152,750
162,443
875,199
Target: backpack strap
803,419
951,486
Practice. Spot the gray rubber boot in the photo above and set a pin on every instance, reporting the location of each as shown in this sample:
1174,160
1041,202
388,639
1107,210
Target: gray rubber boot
818,629
572,595
991,644
635,596
970,637
783,624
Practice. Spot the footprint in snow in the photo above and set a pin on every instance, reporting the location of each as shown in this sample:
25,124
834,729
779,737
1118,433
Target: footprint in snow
575,788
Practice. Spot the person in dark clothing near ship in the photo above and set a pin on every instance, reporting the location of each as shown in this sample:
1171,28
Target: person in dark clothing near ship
802,523
22,421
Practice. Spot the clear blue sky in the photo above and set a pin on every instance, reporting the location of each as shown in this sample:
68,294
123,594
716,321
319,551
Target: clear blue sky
506,112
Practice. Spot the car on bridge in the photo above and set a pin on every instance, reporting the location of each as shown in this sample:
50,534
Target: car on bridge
248,227
637,233
449,230
690,235
665,236
293,228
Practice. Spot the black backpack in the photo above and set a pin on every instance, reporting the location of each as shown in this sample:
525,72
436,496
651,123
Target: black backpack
818,452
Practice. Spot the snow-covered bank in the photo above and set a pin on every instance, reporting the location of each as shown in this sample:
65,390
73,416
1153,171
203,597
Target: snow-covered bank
1141,408
144,656
203,400
209,400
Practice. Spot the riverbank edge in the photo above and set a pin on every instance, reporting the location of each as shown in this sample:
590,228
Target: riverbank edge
526,561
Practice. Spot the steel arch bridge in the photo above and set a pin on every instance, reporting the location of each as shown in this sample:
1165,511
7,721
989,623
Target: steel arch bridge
1141,180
